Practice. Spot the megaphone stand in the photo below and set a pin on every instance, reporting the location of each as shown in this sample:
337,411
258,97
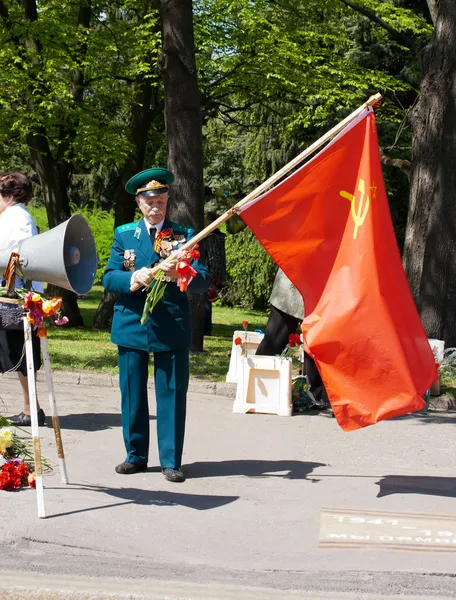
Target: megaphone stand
65,256
10,276
34,415
34,418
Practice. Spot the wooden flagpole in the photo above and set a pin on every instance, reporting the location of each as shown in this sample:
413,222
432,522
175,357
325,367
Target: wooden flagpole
372,101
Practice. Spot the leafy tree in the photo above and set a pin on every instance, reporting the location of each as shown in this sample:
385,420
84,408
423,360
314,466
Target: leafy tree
72,74
183,129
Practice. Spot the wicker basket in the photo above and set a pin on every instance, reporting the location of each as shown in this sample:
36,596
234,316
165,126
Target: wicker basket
11,314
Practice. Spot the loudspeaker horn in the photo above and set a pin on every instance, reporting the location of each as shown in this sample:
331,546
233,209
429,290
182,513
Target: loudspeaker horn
65,256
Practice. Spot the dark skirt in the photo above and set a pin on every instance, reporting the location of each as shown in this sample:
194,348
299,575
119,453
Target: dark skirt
12,347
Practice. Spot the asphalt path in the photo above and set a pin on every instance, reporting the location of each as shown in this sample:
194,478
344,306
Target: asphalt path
273,507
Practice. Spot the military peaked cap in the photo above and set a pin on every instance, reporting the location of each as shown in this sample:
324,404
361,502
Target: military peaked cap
150,182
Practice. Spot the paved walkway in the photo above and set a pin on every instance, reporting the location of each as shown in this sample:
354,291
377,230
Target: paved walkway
282,504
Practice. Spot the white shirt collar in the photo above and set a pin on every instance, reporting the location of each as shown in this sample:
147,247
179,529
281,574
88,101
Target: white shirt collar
158,226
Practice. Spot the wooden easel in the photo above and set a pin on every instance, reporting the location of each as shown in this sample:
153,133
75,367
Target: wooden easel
10,278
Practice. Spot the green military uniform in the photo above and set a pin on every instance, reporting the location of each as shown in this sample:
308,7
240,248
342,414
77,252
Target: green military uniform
167,334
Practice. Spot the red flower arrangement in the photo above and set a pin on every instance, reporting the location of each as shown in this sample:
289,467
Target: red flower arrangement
13,474
39,309
294,341
185,269
16,458
182,259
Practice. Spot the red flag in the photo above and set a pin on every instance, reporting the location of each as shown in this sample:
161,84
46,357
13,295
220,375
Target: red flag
329,228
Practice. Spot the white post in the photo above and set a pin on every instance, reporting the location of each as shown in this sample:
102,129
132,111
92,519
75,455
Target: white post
54,414
34,418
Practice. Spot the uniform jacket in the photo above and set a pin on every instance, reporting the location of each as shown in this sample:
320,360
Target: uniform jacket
169,324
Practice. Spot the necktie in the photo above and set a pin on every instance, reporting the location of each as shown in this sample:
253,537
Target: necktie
152,235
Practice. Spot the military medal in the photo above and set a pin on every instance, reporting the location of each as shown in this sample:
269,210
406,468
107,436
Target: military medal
129,260
162,240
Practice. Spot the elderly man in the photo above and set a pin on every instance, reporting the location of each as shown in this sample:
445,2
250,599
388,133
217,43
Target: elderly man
137,247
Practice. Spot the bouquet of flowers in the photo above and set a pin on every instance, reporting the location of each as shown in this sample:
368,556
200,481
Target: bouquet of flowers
183,260
38,309
16,458
294,341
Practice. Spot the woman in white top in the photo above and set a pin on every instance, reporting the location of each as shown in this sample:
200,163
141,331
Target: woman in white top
17,224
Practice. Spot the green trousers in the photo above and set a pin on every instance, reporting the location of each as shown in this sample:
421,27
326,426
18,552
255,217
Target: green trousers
171,374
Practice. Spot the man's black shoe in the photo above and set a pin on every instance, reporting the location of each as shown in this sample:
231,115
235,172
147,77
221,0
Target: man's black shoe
24,420
174,475
326,412
128,468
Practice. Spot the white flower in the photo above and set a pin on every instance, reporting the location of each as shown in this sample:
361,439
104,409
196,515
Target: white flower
6,438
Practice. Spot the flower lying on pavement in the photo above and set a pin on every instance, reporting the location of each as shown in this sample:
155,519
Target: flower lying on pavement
16,454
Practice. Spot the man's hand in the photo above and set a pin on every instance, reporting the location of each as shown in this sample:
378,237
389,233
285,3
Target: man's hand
141,278
169,270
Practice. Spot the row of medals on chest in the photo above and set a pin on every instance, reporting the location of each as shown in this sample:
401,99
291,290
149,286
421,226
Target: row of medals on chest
163,247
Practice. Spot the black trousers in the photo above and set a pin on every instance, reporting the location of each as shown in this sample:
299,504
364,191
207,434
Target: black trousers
12,351
278,328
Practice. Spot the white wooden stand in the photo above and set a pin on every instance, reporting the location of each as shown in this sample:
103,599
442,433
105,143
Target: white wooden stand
250,342
34,415
264,385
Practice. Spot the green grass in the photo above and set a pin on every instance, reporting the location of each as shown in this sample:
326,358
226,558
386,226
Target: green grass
84,348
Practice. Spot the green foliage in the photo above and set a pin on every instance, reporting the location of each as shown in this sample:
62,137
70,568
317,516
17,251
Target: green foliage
275,76
102,224
39,216
447,370
67,75
250,272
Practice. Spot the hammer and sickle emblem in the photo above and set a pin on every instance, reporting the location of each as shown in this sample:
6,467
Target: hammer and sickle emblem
359,212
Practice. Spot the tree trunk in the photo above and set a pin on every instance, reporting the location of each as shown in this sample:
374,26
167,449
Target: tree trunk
54,178
429,251
124,204
105,311
183,130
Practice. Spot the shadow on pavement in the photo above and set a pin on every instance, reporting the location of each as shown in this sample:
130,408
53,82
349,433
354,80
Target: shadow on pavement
405,484
150,498
429,417
295,469
91,421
